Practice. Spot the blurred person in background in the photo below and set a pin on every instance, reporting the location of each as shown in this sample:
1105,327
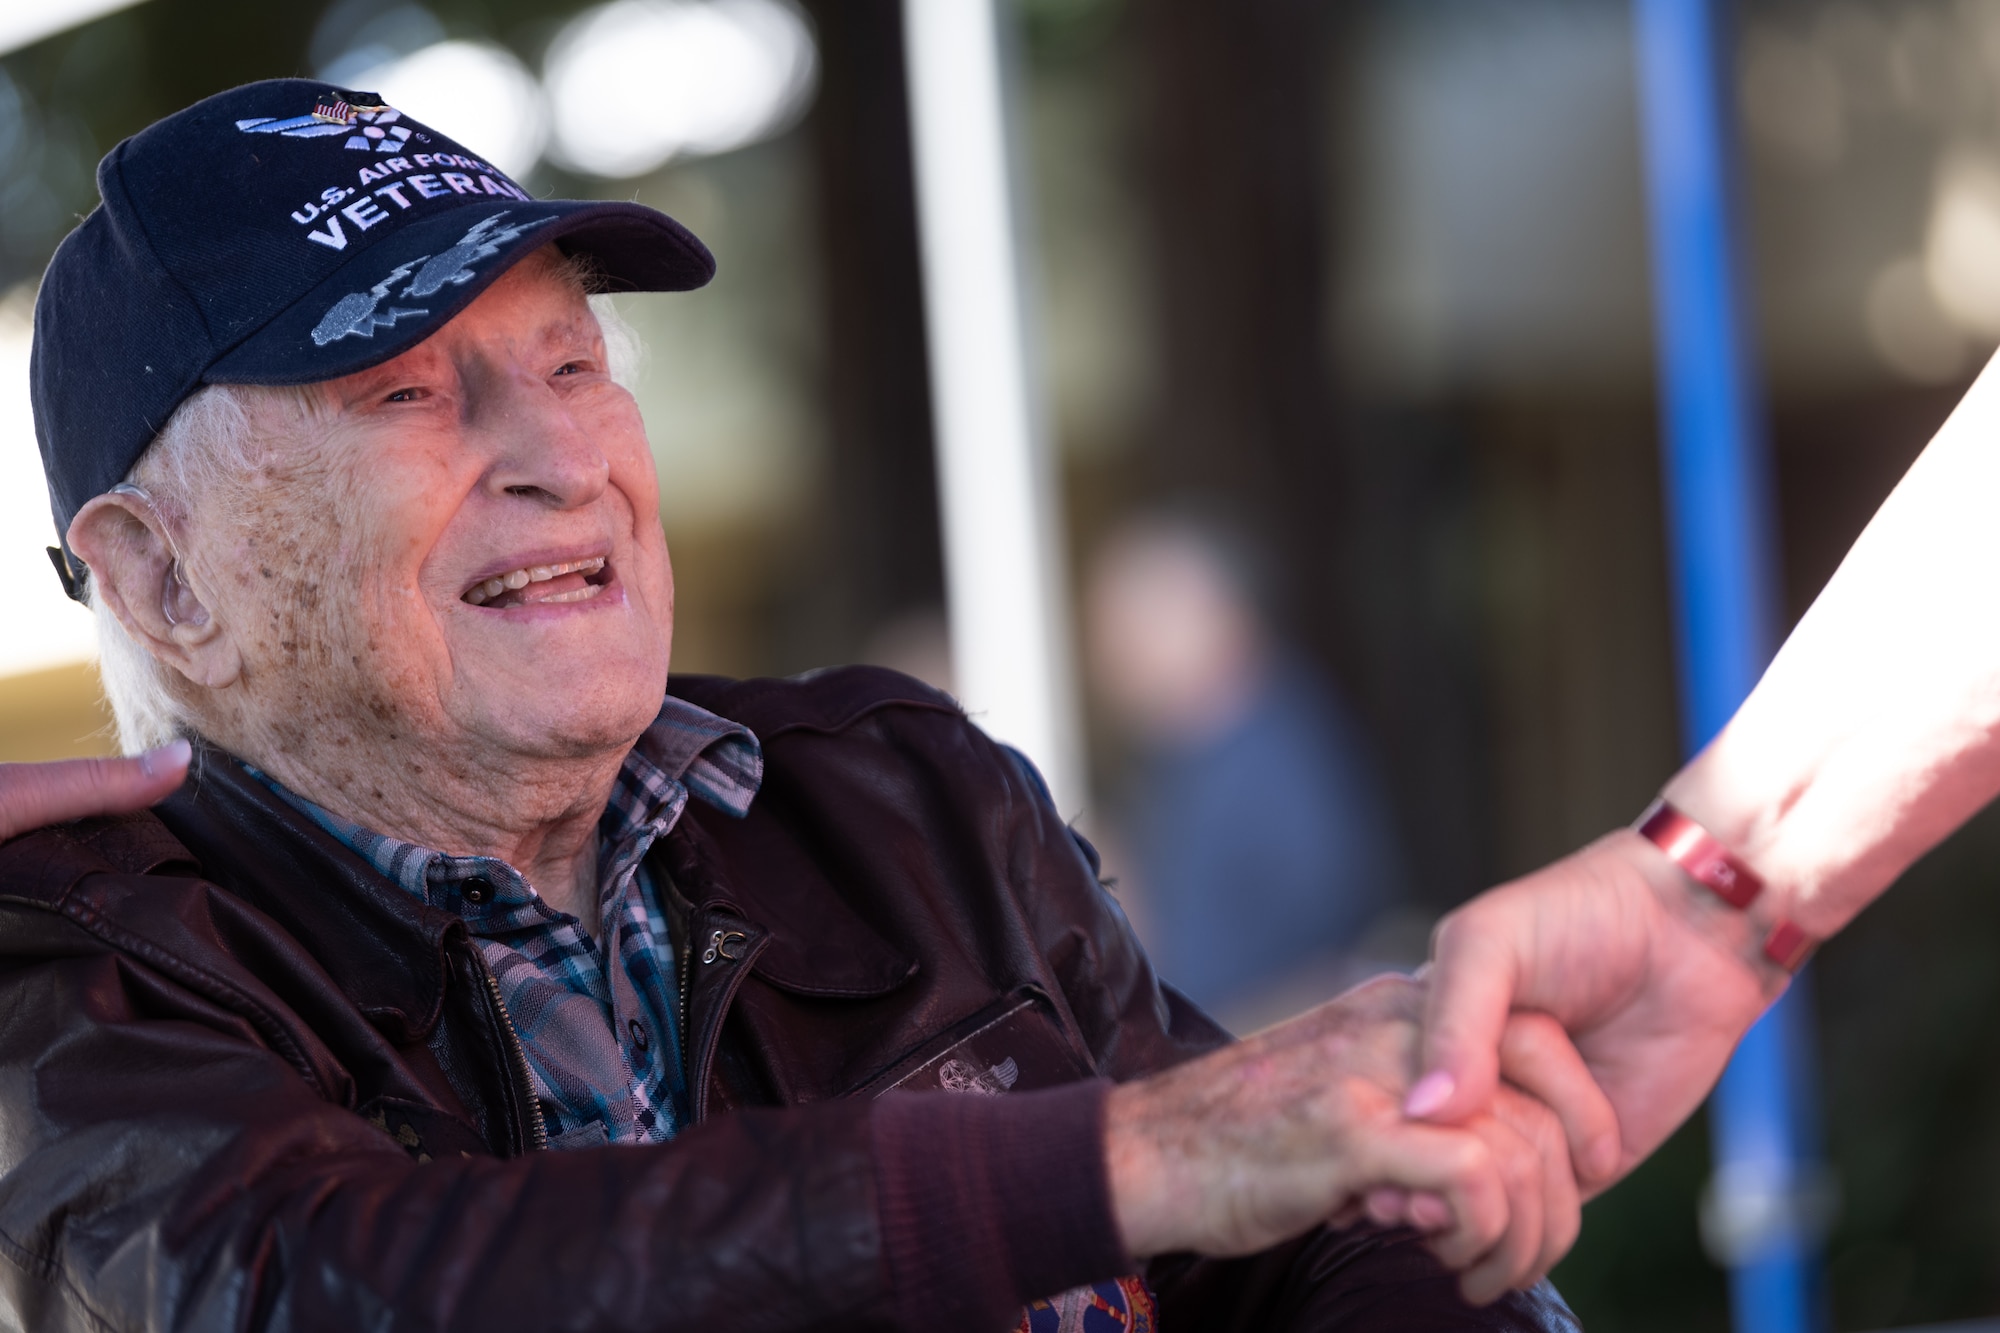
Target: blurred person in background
1260,836
483,978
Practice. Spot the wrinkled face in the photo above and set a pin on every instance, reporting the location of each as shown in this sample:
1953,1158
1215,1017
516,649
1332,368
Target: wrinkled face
456,555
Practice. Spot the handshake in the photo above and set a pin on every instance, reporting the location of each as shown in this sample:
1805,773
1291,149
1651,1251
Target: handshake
1306,1123
1567,1023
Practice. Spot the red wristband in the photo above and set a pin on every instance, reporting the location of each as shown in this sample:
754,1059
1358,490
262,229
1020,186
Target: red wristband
1692,848
1788,946
1695,850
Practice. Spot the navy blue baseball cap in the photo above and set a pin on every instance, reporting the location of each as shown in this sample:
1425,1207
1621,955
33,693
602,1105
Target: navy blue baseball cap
284,232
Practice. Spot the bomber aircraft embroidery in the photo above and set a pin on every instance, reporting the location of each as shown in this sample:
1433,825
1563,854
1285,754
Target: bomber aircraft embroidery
453,266
358,314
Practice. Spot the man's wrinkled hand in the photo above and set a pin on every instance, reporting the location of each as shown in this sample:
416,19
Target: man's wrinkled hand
32,795
1302,1124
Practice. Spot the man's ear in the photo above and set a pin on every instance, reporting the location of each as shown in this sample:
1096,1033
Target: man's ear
135,571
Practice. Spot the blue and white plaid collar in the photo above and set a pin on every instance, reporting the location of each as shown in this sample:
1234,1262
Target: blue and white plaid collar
686,751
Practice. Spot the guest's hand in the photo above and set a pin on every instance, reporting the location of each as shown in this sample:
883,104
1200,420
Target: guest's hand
1301,1124
32,795
1652,980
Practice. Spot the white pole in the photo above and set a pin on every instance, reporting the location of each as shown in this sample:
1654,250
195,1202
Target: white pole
1003,544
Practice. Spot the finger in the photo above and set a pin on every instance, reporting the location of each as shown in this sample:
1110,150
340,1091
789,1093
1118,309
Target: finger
1387,1205
1429,1212
1536,1055
32,795
1471,989
1562,1208
1455,1165
1421,1210
1513,1256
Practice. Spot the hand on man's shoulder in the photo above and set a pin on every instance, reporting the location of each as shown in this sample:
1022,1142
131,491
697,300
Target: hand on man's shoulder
32,795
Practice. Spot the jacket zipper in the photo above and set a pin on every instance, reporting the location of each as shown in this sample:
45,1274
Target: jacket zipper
517,1055
686,979
702,1061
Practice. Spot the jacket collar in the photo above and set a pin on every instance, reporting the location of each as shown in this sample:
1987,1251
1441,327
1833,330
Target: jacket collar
386,948
759,870
816,944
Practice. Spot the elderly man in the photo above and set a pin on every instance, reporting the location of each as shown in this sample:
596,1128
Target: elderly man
468,984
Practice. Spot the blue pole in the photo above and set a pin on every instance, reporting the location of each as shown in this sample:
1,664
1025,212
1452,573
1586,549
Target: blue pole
1719,520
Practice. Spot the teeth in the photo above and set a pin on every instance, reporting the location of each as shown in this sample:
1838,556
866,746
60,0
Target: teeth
514,580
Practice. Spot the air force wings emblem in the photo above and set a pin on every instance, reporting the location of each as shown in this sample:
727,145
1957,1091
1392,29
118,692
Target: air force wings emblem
359,314
372,129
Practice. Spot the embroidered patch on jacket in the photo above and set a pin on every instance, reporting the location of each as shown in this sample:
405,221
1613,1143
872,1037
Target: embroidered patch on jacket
958,1076
1121,1306
1016,1044
371,129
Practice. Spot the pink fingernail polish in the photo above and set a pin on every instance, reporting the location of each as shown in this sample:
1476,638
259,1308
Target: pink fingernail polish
1429,1213
1384,1205
162,757
1431,1092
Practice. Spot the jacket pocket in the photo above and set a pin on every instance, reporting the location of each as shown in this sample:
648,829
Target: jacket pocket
1015,1044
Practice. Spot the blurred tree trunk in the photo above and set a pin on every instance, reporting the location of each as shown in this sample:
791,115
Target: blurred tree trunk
880,538
1239,157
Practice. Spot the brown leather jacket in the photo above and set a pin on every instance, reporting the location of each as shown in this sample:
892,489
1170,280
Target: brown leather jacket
247,1083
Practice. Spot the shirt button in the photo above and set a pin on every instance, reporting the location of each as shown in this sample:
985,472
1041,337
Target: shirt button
477,890
639,1035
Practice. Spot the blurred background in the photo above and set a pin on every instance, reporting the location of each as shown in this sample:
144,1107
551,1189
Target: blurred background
1344,331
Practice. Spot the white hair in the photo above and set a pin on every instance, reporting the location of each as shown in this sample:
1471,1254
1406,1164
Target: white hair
206,445
623,348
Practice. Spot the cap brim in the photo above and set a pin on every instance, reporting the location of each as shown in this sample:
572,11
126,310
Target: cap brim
397,292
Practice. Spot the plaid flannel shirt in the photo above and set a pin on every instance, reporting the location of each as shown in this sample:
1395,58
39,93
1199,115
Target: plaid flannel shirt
601,1036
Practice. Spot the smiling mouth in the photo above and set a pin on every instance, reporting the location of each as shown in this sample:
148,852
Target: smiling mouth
541,585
